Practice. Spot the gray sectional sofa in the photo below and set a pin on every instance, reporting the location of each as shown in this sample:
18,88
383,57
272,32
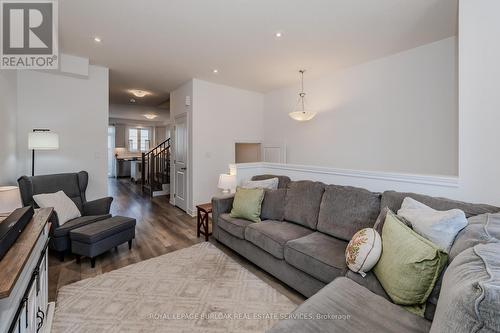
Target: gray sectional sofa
301,240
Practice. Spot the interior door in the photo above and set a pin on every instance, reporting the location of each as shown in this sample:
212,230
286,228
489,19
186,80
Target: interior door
180,162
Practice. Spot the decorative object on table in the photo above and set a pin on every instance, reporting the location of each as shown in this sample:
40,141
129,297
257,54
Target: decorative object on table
41,139
440,227
74,186
268,184
300,113
227,183
247,204
64,207
363,251
12,226
202,217
96,238
409,265
172,283
10,199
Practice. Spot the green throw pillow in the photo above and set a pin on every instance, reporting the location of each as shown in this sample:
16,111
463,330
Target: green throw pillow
247,203
409,265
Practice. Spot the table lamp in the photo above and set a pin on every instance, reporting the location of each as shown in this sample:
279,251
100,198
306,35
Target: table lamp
41,139
10,199
227,183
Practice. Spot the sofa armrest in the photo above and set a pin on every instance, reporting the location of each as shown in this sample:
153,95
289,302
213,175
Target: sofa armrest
97,207
220,205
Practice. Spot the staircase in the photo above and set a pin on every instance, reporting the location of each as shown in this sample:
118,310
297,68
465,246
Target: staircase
156,169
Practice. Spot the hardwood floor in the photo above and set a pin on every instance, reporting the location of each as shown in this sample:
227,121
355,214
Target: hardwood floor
161,228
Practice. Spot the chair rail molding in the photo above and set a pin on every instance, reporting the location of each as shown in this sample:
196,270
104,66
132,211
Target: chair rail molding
372,180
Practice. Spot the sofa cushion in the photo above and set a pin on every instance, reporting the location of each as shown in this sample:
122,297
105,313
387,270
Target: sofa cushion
484,228
302,202
273,205
77,223
271,236
282,183
317,254
234,226
247,203
470,295
352,308
345,210
393,200
409,266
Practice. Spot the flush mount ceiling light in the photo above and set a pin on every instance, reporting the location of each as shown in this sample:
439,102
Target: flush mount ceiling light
139,93
278,34
97,39
215,71
300,113
150,116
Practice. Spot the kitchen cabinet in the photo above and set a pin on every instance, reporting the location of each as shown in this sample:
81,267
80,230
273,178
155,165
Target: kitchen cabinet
120,136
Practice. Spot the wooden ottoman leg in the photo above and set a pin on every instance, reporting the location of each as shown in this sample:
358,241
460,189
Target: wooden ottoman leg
130,244
92,262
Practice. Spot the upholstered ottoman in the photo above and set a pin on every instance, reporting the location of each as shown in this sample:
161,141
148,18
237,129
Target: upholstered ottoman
96,238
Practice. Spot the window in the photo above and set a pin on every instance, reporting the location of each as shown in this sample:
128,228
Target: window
139,139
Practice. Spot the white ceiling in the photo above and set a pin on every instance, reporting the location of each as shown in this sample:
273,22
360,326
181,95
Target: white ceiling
159,44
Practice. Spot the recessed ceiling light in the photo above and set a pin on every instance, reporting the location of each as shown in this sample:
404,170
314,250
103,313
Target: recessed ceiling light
132,100
215,71
279,34
139,93
150,116
97,39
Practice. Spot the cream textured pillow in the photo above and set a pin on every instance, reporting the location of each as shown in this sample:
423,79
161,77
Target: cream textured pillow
363,251
64,207
440,227
267,184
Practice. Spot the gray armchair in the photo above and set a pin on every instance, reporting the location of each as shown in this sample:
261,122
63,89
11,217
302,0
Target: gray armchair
74,186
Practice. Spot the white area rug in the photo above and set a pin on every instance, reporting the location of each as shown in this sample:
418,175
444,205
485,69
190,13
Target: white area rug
197,289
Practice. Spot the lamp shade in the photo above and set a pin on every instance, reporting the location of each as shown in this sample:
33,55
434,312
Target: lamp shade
227,182
302,115
44,140
10,199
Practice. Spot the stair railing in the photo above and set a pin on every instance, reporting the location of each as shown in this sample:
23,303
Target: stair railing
156,167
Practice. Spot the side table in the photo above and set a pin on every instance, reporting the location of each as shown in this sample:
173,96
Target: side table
203,212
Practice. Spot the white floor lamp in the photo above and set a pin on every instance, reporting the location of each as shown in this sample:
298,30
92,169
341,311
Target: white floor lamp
41,139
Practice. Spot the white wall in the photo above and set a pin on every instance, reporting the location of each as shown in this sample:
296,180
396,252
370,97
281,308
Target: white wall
395,114
77,109
8,109
479,101
222,116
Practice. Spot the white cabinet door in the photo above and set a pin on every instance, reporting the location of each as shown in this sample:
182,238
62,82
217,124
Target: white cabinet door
180,162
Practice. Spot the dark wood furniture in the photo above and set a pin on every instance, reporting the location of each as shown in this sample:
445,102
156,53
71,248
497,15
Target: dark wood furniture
15,259
203,212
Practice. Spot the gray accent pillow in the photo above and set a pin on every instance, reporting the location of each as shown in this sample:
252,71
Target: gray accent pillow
273,205
393,200
470,294
302,202
345,210
481,229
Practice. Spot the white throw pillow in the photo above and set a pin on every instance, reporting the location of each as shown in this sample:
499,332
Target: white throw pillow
440,227
268,184
363,251
64,207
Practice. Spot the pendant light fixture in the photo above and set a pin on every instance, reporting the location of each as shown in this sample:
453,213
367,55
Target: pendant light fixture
300,113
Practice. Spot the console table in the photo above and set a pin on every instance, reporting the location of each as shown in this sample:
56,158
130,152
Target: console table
24,303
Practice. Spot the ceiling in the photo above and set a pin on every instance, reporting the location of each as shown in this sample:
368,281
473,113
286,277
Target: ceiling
137,112
157,45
